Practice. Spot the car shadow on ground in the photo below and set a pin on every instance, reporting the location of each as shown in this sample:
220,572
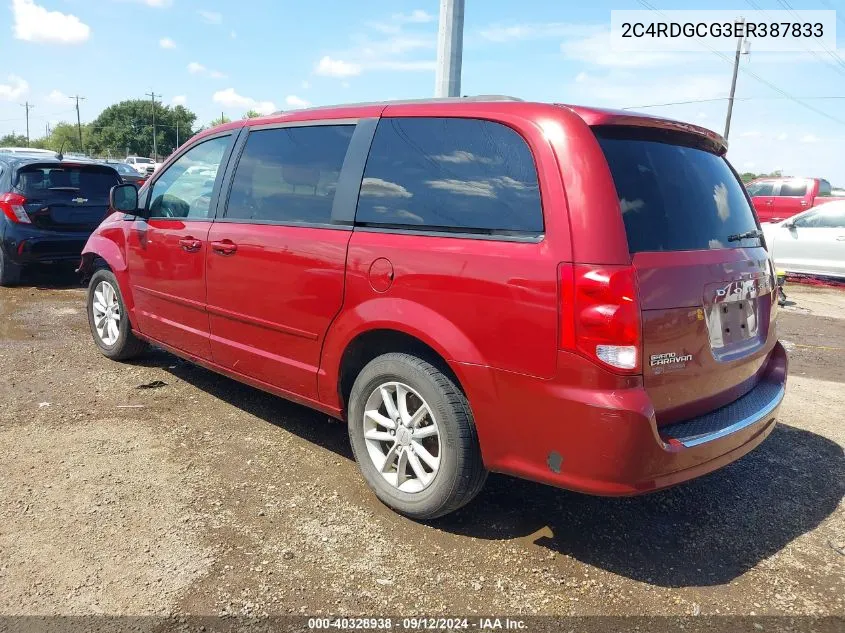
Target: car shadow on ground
705,532
50,277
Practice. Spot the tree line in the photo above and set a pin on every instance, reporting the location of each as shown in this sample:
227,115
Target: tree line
122,129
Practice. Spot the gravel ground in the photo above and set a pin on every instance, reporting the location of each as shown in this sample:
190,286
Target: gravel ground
208,497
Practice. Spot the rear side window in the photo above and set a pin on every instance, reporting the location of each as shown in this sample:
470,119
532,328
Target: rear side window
793,189
450,174
824,188
77,182
289,175
674,197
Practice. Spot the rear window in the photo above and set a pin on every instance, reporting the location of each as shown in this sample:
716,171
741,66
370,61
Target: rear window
450,174
793,189
673,196
92,182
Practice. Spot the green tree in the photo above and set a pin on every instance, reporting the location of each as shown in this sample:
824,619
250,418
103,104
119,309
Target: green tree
128,127
65,137
13,140
220,120
252,114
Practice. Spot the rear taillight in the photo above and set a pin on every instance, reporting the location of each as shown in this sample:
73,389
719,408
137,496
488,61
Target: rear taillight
606,325
11,204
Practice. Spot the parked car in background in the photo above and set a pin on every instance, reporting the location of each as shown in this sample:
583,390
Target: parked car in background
473,284
128,173
33,151
48,208
812,242
144,166
777,199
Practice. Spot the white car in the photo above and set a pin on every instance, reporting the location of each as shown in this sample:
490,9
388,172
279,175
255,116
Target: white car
811,243
144,166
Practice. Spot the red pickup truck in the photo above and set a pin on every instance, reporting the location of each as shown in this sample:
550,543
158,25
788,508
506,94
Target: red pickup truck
777,199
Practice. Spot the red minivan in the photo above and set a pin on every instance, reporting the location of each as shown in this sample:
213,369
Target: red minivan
576,296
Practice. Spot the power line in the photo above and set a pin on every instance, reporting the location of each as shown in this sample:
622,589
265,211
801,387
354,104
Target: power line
753,75
840,67
674,103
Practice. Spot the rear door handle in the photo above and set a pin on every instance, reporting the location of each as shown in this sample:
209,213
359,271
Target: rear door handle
224,247
190,244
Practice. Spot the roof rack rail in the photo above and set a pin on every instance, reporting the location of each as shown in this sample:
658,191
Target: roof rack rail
405,102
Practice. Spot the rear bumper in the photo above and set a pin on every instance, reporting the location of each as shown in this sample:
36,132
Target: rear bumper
606,441
25,244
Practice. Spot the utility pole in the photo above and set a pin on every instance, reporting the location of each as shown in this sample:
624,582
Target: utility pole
79,121
177,135
28,107
450,49
733,80
152,96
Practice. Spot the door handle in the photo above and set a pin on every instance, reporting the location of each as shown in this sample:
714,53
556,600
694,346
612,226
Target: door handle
769,203
190,244
224,247
804,203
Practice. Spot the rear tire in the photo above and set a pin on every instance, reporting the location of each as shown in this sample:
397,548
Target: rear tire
10,272
108,319
429,463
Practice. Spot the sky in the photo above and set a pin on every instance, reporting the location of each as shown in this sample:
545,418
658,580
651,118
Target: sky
226,56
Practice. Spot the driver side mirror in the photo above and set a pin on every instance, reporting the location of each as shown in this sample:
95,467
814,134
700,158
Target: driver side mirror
124,198
789,224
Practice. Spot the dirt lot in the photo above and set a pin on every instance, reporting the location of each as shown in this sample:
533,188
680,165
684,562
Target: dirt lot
204,496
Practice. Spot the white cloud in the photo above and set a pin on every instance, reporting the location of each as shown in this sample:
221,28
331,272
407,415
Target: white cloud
155,3
810,138
515,32
211,17
630,90
296,102
166,42
34,23
581,77
58,97
782,136
417,16
195,68
230,99
751,134
749,164
15,89
594,48
331,67
179,100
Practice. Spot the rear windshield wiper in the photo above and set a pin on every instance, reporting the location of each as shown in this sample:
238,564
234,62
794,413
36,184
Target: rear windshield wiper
63,189
746,235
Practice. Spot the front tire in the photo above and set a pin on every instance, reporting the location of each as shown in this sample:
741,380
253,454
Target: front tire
414,437
108,319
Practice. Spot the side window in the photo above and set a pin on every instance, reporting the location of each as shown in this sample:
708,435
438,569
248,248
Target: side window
761,189
452,174
289,175
824,218
793,189
184,189
824,188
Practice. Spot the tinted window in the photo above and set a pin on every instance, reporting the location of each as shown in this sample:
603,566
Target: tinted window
89,182
450,174
760,188
184,189
824,188
289,174
827,216
674,197
793,189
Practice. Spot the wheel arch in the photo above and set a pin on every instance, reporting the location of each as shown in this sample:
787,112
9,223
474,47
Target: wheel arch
101,251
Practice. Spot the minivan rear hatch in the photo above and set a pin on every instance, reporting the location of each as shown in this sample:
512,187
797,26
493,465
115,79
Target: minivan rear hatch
65,196
704,278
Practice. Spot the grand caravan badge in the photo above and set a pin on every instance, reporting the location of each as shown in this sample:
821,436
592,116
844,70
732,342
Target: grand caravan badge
670,359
